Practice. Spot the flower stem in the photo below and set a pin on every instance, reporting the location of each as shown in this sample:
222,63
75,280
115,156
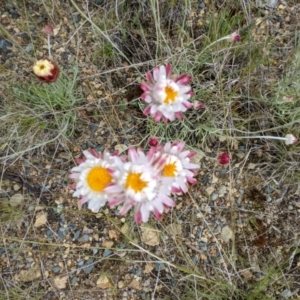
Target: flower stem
49,46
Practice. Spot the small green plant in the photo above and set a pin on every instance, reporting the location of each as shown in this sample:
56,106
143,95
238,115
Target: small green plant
40,110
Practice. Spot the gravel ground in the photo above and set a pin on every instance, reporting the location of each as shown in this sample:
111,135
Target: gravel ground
53,250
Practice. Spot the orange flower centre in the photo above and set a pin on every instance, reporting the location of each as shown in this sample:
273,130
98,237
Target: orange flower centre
171,95
98,179
135,182
170,169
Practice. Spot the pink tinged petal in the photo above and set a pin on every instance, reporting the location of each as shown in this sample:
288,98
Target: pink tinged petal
191,154
74,175
162,71
146,111
167,201
145,87
179,115
144,212
83,200
149,77
138,216
158,116
94,153
165,120
191,166
113,189
187,104
168,69
157,214
158,205
115,202
80,160
167,209
183,79
148,98
180,146
191,180
155,73
133,155
125,208
176,191
115,153
73,186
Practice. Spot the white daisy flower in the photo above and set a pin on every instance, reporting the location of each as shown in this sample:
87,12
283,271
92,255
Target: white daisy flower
93,174
166,95
178,171
138,185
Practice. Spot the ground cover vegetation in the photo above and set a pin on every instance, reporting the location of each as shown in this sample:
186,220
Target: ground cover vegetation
83,83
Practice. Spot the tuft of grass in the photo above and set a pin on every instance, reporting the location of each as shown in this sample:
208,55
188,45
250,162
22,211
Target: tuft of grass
36,113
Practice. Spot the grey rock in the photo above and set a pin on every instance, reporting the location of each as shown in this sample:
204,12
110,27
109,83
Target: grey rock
4,45
160,266
88,266
29,48
56,269
107,252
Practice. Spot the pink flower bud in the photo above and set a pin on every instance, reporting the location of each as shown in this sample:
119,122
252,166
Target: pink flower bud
288,98
290,139
153,141
48,29
223,158
234,37
198,105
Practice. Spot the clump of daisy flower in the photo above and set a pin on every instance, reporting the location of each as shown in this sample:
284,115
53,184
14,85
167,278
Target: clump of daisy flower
93,174
142,181
167,95
138,184
46,70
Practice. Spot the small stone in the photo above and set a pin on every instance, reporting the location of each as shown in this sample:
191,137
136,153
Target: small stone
60,282
226,234
4,45
107,252
121,284
85,238
214,179
148,268
29,48
104,282
222,190
159,266
56,269
41,219
113,234
125,229
150,236
214,196
135,284
74,280
16,187
107,244
88,266
210,190
76,235
16,200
